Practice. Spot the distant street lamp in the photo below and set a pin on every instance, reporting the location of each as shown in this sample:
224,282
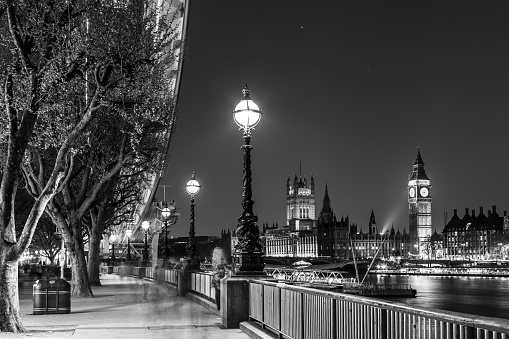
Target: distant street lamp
166,213
192,187
128,233
248,251
113,237
145,225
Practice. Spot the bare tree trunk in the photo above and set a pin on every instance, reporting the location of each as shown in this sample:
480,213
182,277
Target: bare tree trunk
80,285
93,255
9,300
95,231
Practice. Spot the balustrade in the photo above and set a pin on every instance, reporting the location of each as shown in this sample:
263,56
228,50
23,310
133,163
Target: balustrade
301,312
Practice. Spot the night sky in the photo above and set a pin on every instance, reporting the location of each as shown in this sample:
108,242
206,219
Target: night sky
352,88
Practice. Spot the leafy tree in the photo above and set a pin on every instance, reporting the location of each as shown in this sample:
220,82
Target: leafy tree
70,68
114,212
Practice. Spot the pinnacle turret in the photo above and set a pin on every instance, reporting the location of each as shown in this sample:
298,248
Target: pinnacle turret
326,200
418,168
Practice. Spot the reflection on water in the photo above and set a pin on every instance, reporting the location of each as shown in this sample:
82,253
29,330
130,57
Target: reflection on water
485,296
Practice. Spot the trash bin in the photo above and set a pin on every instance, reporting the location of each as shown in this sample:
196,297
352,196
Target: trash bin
52,296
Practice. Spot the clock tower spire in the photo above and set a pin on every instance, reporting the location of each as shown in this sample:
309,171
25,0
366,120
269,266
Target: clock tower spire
419,206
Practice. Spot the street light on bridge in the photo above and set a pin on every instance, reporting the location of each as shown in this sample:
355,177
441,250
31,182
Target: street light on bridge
248,251
128,233
166,213
192,187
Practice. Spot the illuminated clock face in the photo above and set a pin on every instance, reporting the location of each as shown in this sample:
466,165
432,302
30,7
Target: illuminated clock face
424,192
412,192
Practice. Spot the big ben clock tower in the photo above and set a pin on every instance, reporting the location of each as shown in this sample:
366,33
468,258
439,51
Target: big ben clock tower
419,206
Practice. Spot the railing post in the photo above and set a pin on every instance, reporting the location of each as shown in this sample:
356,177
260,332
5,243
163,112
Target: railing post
234,301
334,318
470,333
183,282
303,319
384,325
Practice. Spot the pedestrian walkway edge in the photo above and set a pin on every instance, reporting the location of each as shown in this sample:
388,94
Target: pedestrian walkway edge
255,330
209,305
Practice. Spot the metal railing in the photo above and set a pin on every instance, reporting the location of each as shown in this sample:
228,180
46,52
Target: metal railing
309,276
201,282
171,276
300,312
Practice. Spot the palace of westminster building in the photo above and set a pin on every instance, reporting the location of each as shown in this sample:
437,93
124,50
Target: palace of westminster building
311,235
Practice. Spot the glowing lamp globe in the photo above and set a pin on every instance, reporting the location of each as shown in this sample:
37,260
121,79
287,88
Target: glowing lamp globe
166,212
247,114
192,186
129,233
145,225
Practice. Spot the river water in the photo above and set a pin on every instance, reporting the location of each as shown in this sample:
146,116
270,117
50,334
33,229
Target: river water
484,296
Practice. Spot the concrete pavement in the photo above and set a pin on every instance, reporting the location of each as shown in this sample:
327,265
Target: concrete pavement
125,307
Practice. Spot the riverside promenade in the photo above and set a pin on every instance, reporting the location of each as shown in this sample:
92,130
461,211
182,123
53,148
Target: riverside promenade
124,307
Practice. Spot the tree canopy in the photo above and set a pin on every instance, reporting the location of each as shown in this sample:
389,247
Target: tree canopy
86,100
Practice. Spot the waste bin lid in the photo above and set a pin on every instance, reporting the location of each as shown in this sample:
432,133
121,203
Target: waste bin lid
52,284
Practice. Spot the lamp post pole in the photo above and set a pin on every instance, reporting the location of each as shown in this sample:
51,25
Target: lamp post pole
128,233
145,225
166,249
192,188
113,238
248,251
166,214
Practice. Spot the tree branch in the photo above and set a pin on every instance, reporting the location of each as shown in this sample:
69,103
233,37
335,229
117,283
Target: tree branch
14,30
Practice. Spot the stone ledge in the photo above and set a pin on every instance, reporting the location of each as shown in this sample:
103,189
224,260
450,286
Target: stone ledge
254,330
209,305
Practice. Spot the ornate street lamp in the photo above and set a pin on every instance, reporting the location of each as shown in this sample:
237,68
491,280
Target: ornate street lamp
128,233
113,237
145,225
248,251
166,213
192,187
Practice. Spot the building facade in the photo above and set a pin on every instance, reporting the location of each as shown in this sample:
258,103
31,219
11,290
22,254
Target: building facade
326,237
419,208
477,237
388,245
284,243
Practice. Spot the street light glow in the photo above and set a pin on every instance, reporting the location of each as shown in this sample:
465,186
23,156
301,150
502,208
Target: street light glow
247,114
145,225
192,186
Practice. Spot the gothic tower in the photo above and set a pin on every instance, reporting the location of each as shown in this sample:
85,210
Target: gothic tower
326,228
300,204
419,206
372,224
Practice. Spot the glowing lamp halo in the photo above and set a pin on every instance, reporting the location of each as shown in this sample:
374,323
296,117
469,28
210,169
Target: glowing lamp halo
193,186
166,212
247,114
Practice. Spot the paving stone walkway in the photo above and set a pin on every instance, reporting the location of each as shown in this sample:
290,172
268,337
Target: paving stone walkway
125,308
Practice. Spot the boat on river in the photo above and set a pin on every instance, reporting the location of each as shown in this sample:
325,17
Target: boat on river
380,290
369,289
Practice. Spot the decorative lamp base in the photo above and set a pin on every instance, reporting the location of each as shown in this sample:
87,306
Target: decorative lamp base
248,263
